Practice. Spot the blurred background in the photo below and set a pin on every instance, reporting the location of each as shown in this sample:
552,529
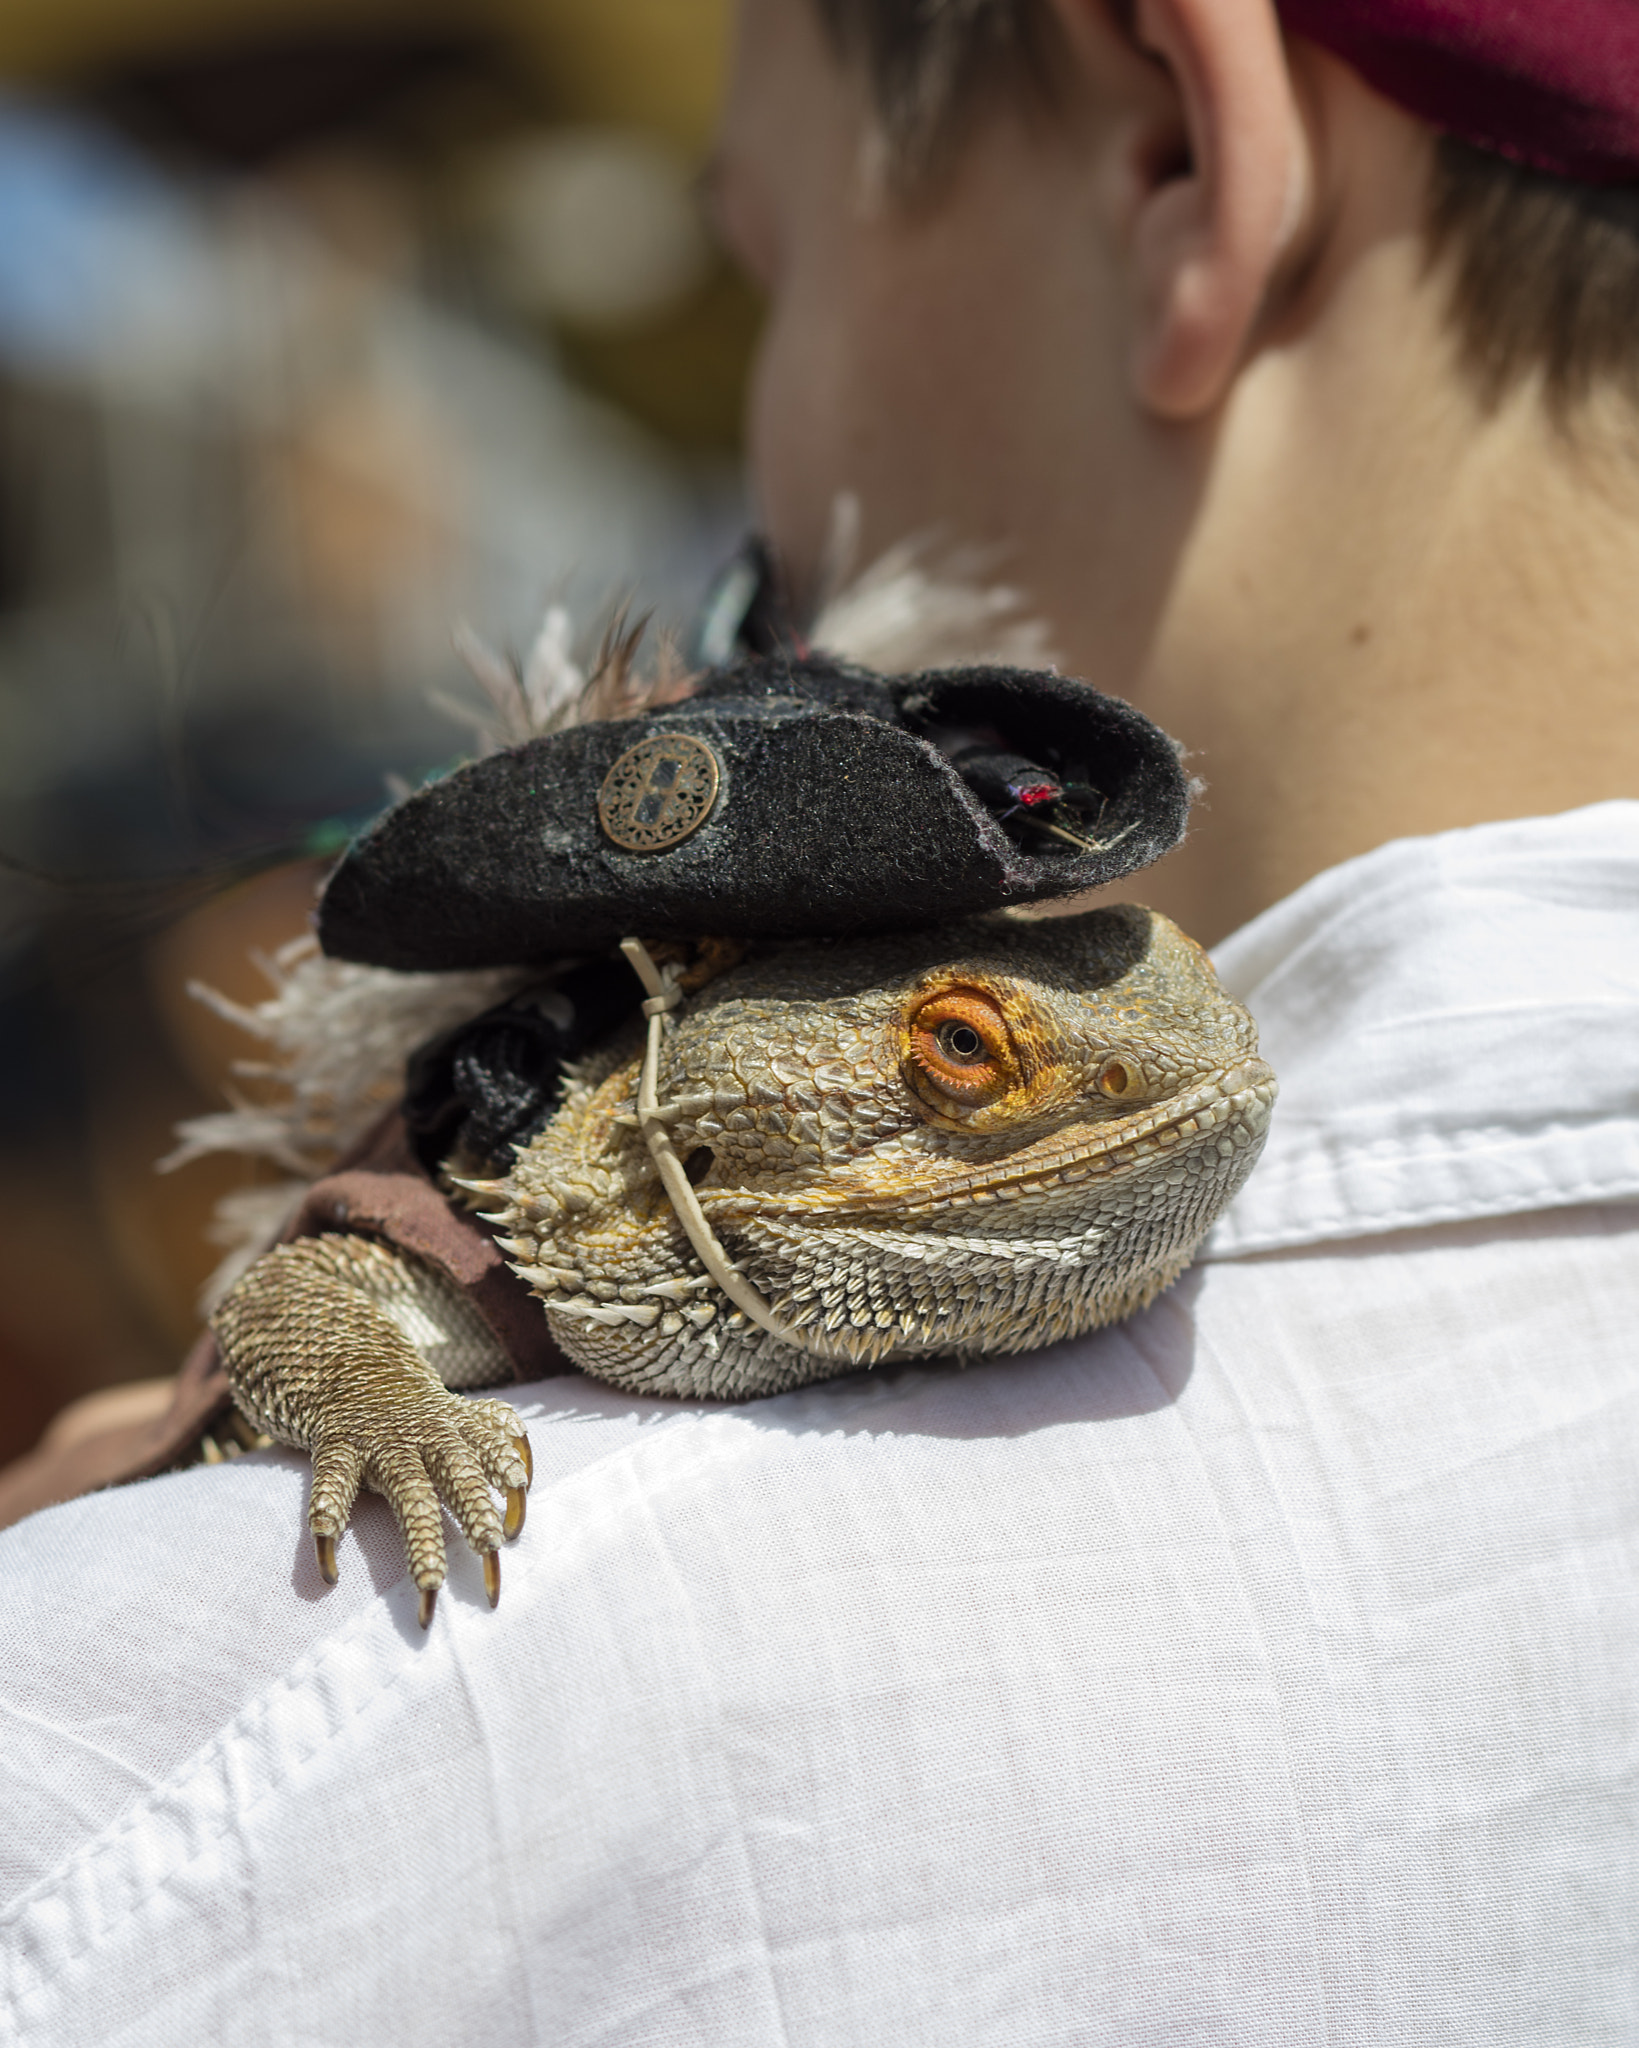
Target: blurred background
323,325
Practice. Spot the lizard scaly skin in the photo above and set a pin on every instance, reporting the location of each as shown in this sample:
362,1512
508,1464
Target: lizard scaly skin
948,1144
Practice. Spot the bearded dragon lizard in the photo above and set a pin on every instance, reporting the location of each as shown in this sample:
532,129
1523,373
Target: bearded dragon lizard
832,1156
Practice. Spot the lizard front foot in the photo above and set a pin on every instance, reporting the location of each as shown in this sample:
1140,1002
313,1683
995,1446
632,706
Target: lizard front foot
314,1341
420,1447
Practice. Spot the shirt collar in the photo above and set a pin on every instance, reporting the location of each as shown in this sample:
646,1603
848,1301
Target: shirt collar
1454,1022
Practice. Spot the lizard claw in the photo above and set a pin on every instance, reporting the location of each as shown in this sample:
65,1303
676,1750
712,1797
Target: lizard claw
429,1600
516,1499
492,1576
338,1469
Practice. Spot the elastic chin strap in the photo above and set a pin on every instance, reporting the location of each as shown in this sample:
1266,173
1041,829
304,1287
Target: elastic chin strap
653,1120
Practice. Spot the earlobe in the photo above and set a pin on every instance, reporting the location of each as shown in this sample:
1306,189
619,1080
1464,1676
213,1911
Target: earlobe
1217,200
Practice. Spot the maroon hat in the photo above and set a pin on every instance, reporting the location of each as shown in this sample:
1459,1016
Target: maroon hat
1550,83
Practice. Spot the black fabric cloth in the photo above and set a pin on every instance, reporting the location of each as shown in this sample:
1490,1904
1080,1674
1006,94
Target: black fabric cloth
840,810
491,1083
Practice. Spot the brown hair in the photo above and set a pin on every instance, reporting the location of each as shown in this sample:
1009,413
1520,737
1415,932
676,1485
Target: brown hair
1544,272
929,61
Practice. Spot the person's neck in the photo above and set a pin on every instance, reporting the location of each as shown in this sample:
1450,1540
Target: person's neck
1406,616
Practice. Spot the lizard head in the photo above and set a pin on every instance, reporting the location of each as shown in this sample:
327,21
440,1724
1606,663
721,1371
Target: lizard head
976,1140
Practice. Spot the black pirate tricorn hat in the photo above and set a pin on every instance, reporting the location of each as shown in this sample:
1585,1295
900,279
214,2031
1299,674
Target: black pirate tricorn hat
783,798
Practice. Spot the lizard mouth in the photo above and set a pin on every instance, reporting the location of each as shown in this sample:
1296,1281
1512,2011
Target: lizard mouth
1234,1096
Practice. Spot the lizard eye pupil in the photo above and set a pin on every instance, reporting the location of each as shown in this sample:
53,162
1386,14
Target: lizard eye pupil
961,1042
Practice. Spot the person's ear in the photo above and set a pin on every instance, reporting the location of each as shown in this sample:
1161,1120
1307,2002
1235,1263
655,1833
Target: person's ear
1215,184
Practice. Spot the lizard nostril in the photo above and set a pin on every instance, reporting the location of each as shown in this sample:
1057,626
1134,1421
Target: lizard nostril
698,1164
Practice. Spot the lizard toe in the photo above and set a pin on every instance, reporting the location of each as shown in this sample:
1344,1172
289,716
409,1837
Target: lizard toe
496,1434
461,1484
338,1468
400,1477
489,1428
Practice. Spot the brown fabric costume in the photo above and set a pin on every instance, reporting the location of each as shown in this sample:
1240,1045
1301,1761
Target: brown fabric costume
379,1191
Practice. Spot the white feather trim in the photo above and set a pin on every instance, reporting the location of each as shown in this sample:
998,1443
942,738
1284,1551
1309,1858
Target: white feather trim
339,1035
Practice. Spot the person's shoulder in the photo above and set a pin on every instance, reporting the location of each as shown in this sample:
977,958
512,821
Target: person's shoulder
857,1682
153,1630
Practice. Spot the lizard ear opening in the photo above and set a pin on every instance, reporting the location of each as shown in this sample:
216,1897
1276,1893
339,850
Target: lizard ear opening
1117,1079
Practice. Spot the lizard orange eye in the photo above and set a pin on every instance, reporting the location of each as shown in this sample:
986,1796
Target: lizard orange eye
961,1050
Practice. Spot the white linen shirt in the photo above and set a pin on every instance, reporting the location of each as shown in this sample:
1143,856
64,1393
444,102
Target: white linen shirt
1261,1671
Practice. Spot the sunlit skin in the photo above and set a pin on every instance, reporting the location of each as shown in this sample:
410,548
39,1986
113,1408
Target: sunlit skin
1174,345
